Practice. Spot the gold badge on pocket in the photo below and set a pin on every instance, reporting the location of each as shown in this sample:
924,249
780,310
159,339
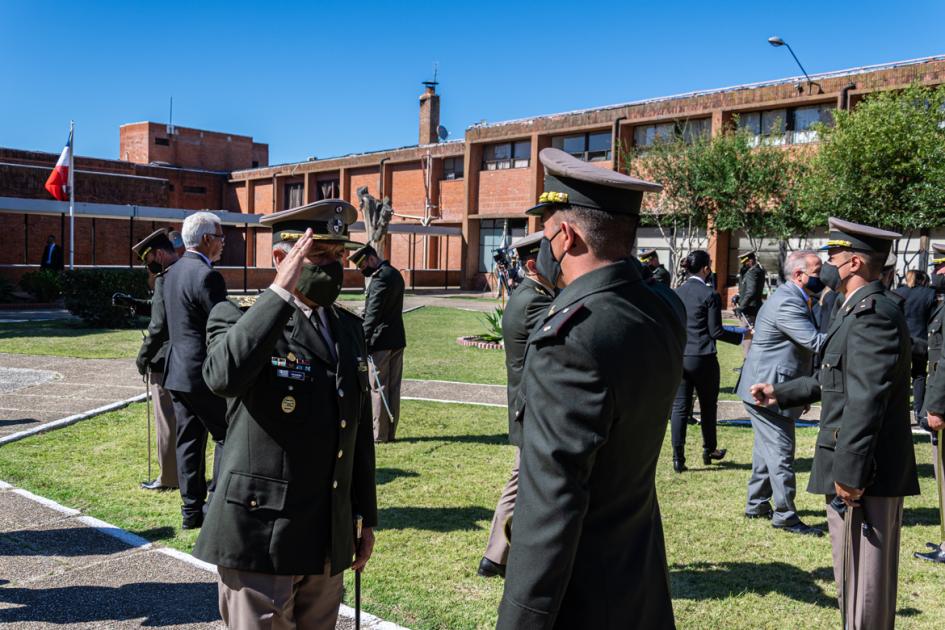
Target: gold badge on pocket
288,404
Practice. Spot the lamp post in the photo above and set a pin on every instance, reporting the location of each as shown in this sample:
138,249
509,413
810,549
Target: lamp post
777,42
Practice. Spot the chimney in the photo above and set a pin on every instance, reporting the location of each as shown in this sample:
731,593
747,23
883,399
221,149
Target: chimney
429,113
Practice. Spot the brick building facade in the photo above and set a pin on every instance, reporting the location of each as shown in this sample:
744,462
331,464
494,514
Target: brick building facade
476,187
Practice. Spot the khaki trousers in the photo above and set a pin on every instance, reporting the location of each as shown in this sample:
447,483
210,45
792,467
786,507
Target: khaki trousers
389,368
497,549
251,601
940,487
165,428
873,571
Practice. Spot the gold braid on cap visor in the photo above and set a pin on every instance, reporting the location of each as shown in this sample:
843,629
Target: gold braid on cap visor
553,197
839,243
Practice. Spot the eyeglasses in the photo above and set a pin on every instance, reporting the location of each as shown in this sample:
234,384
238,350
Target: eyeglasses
222,237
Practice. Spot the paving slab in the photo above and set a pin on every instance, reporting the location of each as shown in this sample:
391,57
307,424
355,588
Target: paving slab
76,386
450,391
18,512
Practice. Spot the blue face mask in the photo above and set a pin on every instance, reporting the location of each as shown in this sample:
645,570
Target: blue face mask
814,285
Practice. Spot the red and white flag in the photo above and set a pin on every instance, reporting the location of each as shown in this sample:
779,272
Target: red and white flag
58,182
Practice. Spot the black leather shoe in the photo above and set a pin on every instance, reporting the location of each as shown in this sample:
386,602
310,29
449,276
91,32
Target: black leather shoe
488,569
709,456
800,528
933,546
932,556
764,515
194,521
679,465
155,485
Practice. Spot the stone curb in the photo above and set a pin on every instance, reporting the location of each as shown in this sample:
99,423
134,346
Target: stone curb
64,422
474,342
368,621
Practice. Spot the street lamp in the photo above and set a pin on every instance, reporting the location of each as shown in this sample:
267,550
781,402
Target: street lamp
777,42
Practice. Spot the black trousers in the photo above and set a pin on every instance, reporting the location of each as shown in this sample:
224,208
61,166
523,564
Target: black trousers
198,414
700,373
920,363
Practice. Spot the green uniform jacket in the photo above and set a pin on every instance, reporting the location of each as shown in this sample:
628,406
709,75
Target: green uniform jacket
527,306
154,347
601,371
660,274
935,387
751,287
384,310
299,457
865,439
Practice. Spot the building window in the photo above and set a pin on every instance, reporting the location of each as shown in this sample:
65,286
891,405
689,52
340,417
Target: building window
786,126
590,147
686,130
328,189
453,167
162,141
196,190
293,195
504,155
495,234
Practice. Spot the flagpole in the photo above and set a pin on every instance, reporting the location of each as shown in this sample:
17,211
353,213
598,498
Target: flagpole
72,195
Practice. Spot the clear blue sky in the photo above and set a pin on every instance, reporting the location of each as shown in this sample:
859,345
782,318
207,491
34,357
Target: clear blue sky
327,78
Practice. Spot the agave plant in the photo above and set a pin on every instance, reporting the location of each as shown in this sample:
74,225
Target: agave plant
493,325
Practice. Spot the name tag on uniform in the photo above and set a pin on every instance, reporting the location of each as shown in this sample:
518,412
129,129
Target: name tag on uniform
298,376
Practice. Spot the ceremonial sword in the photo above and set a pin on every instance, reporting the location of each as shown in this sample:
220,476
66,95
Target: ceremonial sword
380,387
359,521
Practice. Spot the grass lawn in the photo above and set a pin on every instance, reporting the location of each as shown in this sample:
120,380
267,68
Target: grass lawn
437,488
433,354
69,339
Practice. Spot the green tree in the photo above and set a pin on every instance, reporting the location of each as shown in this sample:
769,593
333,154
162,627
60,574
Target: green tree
883,163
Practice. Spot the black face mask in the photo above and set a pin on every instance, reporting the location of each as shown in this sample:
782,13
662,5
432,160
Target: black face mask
814,285
547,265
830,276
743,269
321,283
155,267
368,271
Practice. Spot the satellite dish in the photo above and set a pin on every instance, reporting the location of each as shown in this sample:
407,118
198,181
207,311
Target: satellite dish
442,133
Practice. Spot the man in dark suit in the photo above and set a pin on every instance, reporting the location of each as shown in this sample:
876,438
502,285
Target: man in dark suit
299,464
386,340
527,305
156,251
919,304
601,368
52,255
191,289
864,455
751,288
652,268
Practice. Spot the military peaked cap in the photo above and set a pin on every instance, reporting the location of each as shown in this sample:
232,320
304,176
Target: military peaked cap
570,181
749,255
329,220
861,238
645,255
528,245
157,239
939,251
361,253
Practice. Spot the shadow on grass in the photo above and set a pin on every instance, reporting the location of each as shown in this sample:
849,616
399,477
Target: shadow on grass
445,519
920,516
59,328
156,533
498,438
387,475
705,581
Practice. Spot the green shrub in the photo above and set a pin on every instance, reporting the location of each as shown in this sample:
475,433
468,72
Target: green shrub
88,294
493,324
45,285
6,291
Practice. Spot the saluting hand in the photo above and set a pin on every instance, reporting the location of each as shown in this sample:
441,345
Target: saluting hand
287,276
364,550
763,393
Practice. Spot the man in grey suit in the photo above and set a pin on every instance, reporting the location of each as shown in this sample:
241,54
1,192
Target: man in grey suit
784,344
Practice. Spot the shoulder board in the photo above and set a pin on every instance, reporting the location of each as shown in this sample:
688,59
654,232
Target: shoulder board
866,305
556,322
244,301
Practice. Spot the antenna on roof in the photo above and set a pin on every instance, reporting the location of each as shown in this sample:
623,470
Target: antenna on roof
170,123
432,84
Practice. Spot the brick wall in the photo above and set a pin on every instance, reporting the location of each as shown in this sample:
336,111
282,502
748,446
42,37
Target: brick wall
148,142
362,177
452,200
406,193
506,191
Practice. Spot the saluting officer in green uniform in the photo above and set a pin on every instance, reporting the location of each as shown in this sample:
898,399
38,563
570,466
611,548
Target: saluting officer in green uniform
528,303
601,370
932,416
864,453
653,268
299,463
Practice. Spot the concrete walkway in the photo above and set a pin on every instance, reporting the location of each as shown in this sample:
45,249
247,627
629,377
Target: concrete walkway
35,390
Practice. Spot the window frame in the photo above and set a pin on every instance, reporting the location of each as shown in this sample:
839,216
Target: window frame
513,161
451,174
586,154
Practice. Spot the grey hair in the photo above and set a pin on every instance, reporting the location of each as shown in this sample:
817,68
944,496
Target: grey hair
196,225
797,260
282,246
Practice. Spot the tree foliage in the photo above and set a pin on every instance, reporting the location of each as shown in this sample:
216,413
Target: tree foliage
883,163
